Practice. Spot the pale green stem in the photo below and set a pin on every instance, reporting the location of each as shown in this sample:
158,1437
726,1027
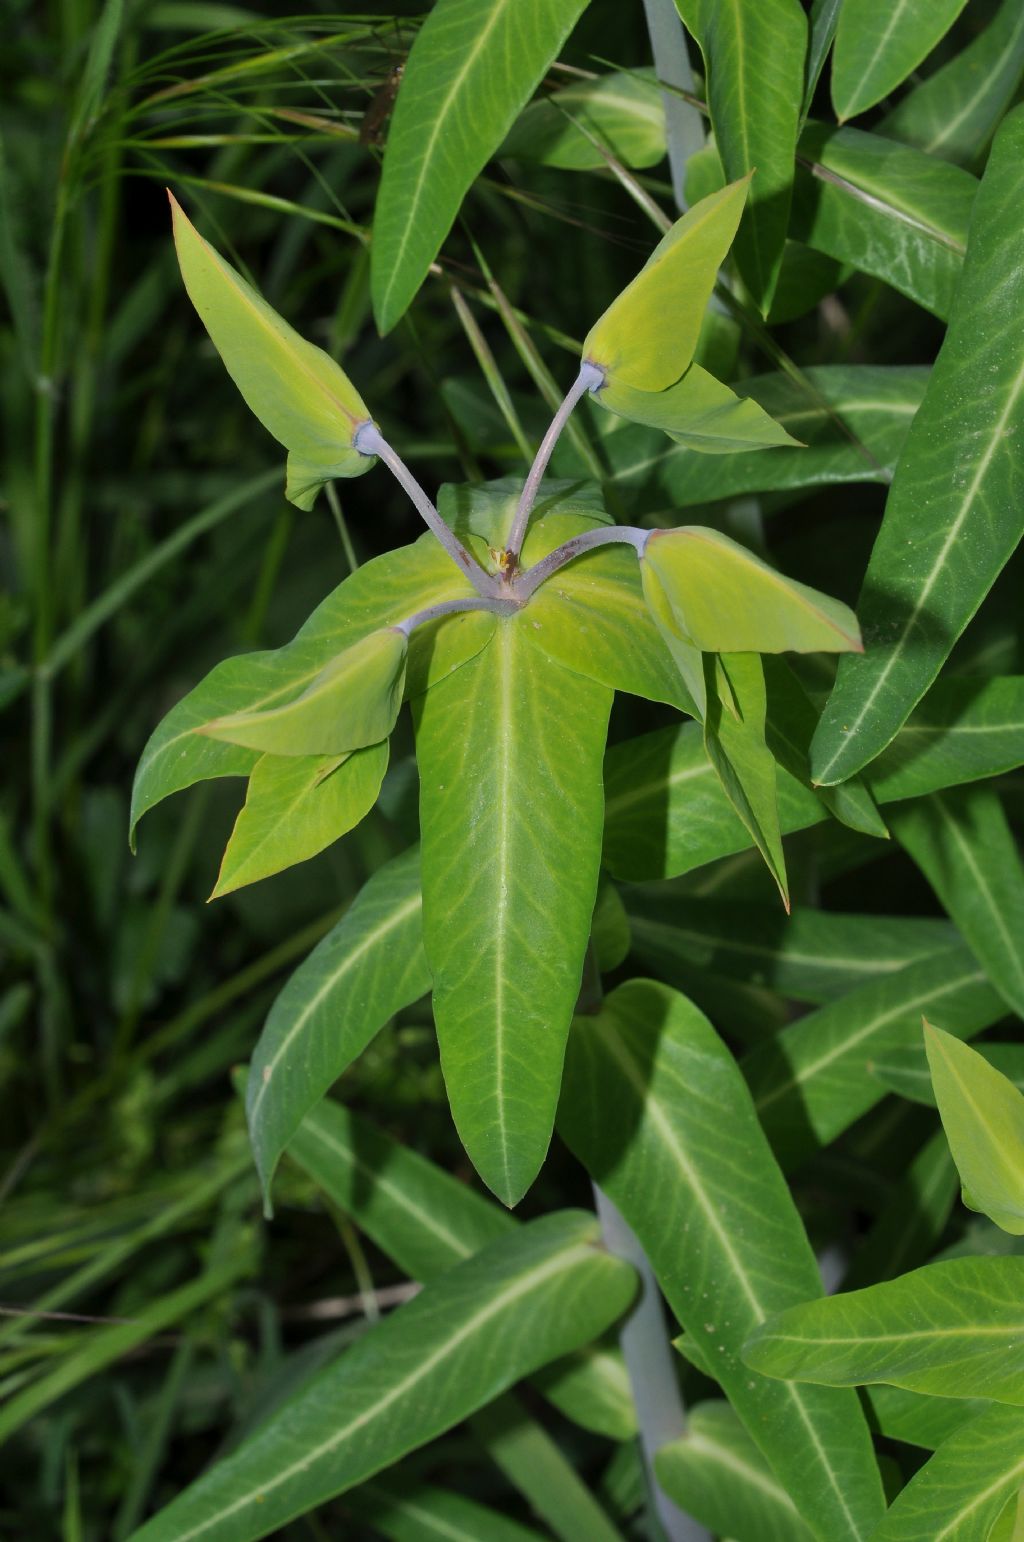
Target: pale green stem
684,127
589,378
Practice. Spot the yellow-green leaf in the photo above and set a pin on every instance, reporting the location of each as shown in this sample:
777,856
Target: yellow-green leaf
631,342
734,741
295,389
723,599
983,1116
699,412
353,702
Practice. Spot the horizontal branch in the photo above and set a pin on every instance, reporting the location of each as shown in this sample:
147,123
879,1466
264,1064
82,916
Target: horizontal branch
605,535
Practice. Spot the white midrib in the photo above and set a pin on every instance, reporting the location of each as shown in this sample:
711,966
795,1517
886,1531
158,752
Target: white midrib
900,1010
820,961
645,790
949,128
375,935
521,1287
620,1053
1006,1480
883,39
981,470
723,1457
998,919
975,1331
504,642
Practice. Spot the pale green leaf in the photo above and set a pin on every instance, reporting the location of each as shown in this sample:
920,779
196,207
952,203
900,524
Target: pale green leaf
650,1089
294,808
472,68
351,703
716,1473
622,112
955,512
360,974
958,1494
917,1419
456,1346
510,754
630,341
953,1329
725,600
962,842
296,390
983,1117
953,112
878,44
1010,1525
698,412
734,742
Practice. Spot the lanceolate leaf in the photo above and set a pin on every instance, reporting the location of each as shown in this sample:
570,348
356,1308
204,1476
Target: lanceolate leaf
754,57
620,112
952,1329
406,1511
735,745
888,209
879,43
428,1221
363,971
957,1495
953,112
630,341
905,1071
461,1342
983,1117
962,731
699,412
917,1419
296,390
955,512
649,1091
294,808
473,67
912,1220
511,805
963,843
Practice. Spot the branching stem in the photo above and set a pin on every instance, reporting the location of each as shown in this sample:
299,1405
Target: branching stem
451,608
605,535
589,378
370,441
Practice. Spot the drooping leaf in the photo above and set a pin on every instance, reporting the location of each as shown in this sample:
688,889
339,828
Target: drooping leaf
725,600
814,1080
983,1117
630,341
734,742
716,1473
649,1090
754,58
953,112
366,969
886,208
295,389
473,67
698,412
951,1329
962,842
462,1341
295,807
428,1221
878,44
511,804
954,514
621,111
352,702
383,591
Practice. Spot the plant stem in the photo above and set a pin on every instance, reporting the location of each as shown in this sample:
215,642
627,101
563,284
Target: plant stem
588,379
648,1356
370,441
452,607
575,546
684,126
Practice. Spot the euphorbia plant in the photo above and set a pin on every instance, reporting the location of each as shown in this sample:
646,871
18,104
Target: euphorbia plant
507,628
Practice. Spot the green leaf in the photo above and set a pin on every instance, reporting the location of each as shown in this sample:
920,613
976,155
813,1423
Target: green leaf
963,843
363,972
954,514
1010,1525
905,1071
983,1117
380,593
754,60
879,43
734,742
649,1089
630,341
916,1419
952,1329
853,426
716,1473
813,1081
296,390
953,112
911,1222
723,599
963,731
294,808
457,1345
957,1495
428,1221
405,1511
510,753
351,703
471,70
890,210
698,412
622,111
